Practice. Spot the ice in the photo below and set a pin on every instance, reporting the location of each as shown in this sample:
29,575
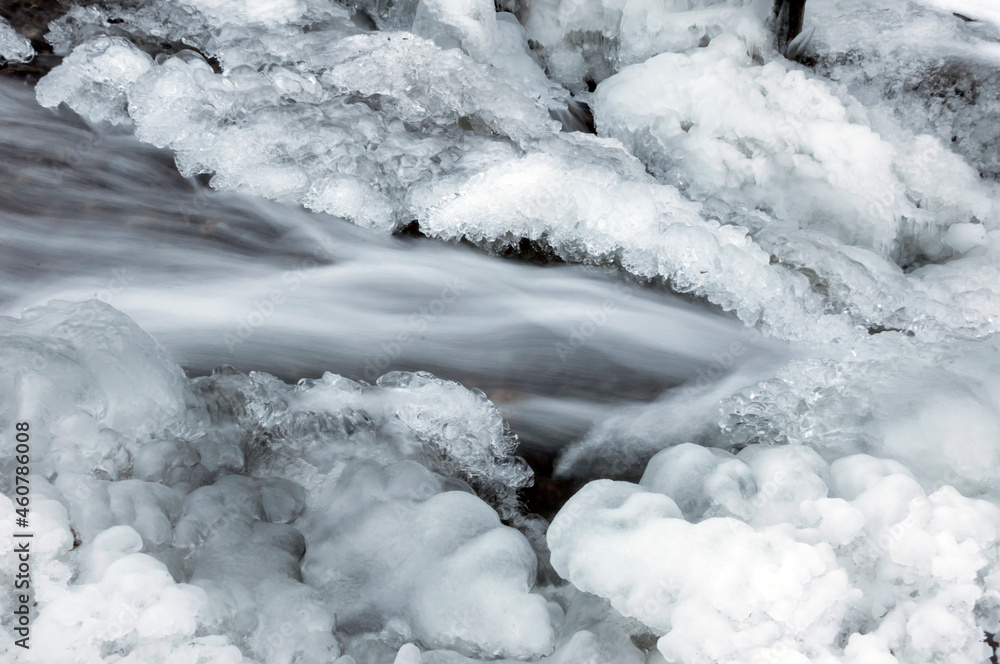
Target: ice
94,382
132,598
395,548
491,37
807,204
799,155
236,529
933,71
173,515
95,79
588,209
329,164
718,590
13,46
835,504
312,429
871,551
588,40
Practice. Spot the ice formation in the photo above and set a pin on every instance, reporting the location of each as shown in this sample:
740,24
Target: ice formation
773,555
168,497
13,46
454,131
840,506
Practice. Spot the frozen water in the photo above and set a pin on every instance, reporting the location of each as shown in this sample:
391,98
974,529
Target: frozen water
447,135
454,577
179,492
799,156
929,64
13,46
793,558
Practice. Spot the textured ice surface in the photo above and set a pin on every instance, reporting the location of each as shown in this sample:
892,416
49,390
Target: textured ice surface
94,80
13,46
773,194
770,139
156,498
588,40
934,71
396,545
774,554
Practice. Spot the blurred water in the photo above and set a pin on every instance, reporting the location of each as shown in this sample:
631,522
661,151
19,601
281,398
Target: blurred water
228,279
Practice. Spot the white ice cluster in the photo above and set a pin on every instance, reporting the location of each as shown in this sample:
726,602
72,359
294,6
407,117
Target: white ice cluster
171,516
14,47
774,193
928,64
771,139
774,555
585,41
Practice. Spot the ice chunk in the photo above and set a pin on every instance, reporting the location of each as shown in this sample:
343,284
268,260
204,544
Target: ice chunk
89,380
924,63
779,142
493,38
330,165
132,596
702,481
395,544
236,529
265,12
877,403
94,80
587,40
926,563
718,590
311,430
586,202
14,47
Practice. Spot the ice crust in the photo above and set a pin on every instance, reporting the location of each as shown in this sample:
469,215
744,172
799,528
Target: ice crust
775,193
